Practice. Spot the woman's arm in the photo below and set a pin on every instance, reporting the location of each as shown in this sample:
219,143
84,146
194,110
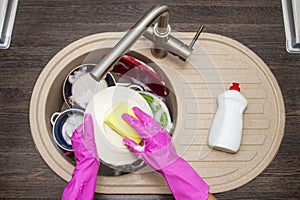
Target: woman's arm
159,153
211,197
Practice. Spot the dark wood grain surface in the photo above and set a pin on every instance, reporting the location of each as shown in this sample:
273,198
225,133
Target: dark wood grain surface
42,28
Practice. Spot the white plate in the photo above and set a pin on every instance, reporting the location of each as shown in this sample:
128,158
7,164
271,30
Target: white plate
109,144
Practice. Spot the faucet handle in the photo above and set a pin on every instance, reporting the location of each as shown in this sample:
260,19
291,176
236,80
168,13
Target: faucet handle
199,31
171,44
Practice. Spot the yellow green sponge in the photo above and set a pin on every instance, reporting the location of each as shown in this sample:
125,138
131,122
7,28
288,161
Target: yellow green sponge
115,121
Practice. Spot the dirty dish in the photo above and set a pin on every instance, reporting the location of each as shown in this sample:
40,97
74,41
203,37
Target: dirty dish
109,144
159,109
80,71
132,70
64,124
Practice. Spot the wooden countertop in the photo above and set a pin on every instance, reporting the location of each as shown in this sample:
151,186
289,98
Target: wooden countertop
42,28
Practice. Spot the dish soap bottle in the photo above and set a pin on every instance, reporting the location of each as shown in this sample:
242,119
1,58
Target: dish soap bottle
226,129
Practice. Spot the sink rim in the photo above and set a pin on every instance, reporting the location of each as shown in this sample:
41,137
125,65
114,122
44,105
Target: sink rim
164,189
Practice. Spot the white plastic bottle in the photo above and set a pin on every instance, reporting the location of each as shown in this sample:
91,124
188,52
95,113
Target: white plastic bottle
226,129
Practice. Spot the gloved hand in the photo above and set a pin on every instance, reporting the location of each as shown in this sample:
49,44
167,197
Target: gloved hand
159,152
83,182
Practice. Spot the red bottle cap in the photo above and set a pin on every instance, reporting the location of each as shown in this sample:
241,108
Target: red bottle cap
235,86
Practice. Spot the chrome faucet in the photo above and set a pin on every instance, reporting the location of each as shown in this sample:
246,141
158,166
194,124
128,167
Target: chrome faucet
159,34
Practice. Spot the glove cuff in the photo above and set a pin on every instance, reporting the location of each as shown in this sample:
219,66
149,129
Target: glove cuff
83,182
184,181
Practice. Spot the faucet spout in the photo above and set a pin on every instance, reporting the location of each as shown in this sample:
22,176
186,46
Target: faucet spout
160,12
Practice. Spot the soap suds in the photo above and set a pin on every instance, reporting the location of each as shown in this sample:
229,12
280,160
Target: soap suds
73,121
139,148
76,74
84,89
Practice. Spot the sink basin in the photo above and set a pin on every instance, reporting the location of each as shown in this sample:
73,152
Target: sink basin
194,85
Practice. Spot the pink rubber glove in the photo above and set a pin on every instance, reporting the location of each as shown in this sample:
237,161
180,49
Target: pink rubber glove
159,152
83,182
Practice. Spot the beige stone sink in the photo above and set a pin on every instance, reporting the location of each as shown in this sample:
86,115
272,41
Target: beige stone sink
215,63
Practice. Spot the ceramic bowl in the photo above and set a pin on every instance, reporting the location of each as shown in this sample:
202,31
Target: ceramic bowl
64,123
159,109
71,77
